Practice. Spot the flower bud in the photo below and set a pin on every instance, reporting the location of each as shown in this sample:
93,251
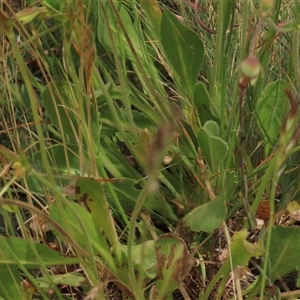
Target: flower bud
19,170
28,14
250,69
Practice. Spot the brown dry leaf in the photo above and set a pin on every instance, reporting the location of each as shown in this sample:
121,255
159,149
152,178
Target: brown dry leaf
259,223
167,159
172,256
184,232
295,215
224,255
39,225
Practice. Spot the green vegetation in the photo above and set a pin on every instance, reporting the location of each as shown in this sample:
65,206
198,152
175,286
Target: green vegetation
149,149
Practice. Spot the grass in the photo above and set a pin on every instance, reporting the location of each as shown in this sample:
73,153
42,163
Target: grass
142,144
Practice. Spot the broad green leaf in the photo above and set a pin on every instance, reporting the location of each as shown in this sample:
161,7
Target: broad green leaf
174,263
271,108
183,49
242,250
114,29
213,147
211,214
97,240
10,282
284,250
71,279
90,193
21,248
207,108
144,257
92,234
211,128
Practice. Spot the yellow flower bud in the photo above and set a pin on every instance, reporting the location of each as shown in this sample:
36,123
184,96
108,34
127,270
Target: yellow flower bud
28,14
19,170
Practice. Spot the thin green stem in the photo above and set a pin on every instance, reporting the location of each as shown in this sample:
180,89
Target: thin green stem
219,49
121,71
37,256
269,230
295,55
33,102
139,204
5,245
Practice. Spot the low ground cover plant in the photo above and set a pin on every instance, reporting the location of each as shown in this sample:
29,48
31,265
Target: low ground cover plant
149,149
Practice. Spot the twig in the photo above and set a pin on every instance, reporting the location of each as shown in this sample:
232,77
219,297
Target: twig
203,170
209,30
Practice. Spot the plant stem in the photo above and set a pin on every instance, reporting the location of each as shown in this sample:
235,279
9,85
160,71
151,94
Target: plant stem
295,55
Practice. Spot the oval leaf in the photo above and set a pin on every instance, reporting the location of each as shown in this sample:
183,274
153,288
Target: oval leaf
214,148
271,108
183,49
284,250
206,217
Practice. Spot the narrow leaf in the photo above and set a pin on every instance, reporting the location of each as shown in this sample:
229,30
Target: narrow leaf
183,49
57,102
21,248
141,147
271,108
115,29
71,279
91,194
10,282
